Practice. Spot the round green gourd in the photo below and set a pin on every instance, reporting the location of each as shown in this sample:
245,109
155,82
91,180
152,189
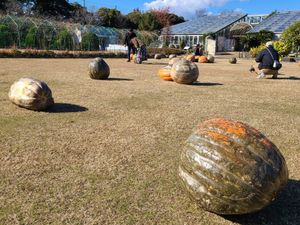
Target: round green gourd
229,167
31,94
98,69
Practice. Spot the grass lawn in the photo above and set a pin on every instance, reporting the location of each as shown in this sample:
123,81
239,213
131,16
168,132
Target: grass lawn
108,151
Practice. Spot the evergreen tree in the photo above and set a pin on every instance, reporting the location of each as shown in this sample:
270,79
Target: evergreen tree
148,22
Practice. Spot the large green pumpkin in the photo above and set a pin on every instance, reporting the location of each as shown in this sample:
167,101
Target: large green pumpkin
229,167
184,71
98,69
31,94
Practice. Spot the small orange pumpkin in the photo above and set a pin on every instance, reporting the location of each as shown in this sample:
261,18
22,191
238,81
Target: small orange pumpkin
131,56
202,59
164,73
190,58
197,58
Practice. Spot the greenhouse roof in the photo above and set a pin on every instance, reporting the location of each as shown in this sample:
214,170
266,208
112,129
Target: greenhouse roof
206,24
102,31
278,22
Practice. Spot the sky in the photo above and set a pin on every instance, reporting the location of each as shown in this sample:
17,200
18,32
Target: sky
187,8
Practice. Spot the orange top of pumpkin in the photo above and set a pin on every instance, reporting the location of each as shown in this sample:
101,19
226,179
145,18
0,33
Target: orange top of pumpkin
190,58
202,59
164,73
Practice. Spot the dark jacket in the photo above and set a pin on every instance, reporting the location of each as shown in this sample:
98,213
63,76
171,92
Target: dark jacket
265,59
128,38
199,51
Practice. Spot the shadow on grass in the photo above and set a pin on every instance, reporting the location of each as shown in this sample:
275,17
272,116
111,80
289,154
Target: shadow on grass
66,108
155,63
284,211
286,78
119,79
206,84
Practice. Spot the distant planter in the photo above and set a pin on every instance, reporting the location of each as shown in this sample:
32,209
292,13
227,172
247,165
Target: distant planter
233,60
31,94
98,69
184,72
164,73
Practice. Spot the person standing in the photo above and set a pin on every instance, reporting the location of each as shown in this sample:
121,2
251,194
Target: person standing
198,50
129,35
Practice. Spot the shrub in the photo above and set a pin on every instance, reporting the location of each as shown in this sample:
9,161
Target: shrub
90,42
182,44
291,36
282,48
256,39
6,38
64,40
30,39
164,51
254,51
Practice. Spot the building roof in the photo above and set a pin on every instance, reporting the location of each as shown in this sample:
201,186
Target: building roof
277,22
206,24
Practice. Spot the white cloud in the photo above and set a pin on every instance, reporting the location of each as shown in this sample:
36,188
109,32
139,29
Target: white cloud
238,10
185,8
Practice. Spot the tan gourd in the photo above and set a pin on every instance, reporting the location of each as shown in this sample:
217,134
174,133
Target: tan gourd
31,94
184,72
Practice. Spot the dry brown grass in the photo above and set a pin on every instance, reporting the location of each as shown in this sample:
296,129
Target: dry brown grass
108,152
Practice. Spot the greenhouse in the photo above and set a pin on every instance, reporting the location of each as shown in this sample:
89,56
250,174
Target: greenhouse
194,32
27,32
277,22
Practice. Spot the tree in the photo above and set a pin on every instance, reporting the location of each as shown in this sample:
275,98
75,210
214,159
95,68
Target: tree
30,39
148,22
11,7
174,19
111,17
3,5
64,40
81,15
6,39
53,7
255,39
134,18
90,42
163,17
291,36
